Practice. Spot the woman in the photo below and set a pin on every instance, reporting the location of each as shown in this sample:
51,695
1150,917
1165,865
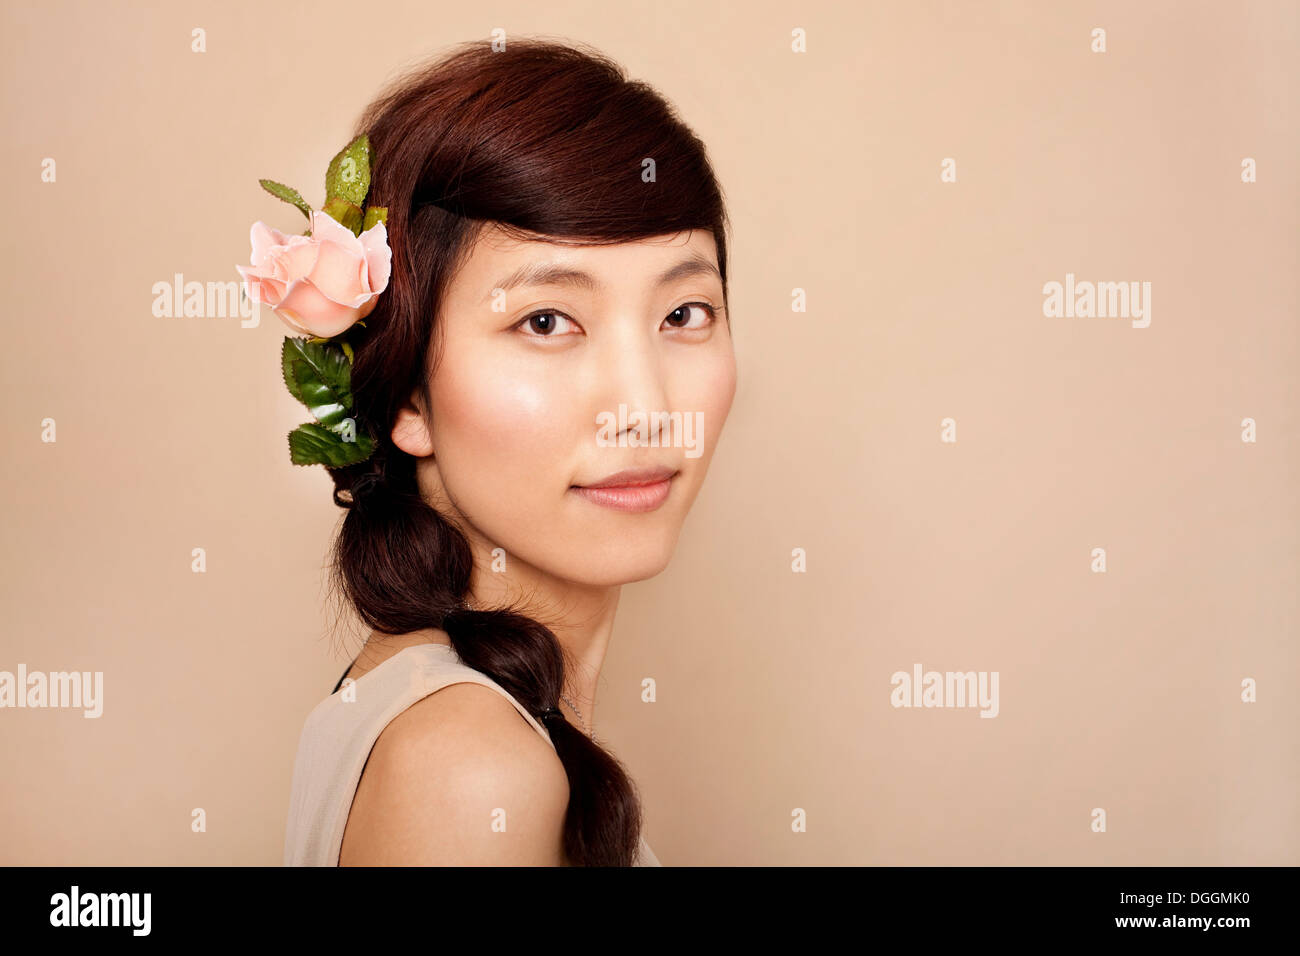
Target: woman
546,375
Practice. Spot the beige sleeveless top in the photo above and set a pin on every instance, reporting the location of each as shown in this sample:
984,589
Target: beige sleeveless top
339,734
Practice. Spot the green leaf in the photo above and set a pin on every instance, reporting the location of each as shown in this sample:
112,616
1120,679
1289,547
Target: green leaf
291,196
375,214
342,211
311,444
287,353
348,175
319,375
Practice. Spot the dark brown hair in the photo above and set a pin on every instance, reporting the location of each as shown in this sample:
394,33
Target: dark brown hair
550,139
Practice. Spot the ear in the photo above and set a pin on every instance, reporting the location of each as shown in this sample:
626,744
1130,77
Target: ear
411,431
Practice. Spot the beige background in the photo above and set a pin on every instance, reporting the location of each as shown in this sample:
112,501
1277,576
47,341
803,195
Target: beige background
1117,690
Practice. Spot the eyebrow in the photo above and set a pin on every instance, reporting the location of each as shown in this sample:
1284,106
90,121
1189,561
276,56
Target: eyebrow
551,274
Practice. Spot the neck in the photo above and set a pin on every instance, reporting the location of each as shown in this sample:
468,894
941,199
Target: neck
580,616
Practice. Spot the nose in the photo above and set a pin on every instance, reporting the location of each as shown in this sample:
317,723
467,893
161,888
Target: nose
633,373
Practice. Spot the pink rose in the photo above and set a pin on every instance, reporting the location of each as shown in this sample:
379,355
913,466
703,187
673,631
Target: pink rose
319,284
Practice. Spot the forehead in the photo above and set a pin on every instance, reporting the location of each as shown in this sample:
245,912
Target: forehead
500,261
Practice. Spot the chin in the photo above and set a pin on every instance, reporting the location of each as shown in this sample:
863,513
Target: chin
607,578
616,563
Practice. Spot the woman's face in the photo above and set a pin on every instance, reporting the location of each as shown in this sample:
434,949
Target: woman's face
560,366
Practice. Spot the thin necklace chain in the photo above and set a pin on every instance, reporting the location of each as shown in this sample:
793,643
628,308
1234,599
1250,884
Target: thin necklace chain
578,712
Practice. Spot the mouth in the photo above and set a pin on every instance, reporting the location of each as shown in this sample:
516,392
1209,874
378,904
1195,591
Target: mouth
638,490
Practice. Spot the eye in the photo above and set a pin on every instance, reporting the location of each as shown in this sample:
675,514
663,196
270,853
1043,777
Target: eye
544,324
680,317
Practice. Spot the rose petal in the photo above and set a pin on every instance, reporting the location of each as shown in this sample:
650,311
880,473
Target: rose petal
379,257
263,239
288,318
324,227
294,261
339,273
260,288
274,289
315,312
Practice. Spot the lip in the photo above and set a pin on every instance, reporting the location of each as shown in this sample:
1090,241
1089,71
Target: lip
635,490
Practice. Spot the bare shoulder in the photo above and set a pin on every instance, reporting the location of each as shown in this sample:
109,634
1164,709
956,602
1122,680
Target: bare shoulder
459,779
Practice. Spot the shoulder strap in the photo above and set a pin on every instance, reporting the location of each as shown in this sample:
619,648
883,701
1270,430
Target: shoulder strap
435,666
447,673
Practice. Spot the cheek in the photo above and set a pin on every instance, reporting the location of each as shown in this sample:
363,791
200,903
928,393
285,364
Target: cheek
497,438
708,386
